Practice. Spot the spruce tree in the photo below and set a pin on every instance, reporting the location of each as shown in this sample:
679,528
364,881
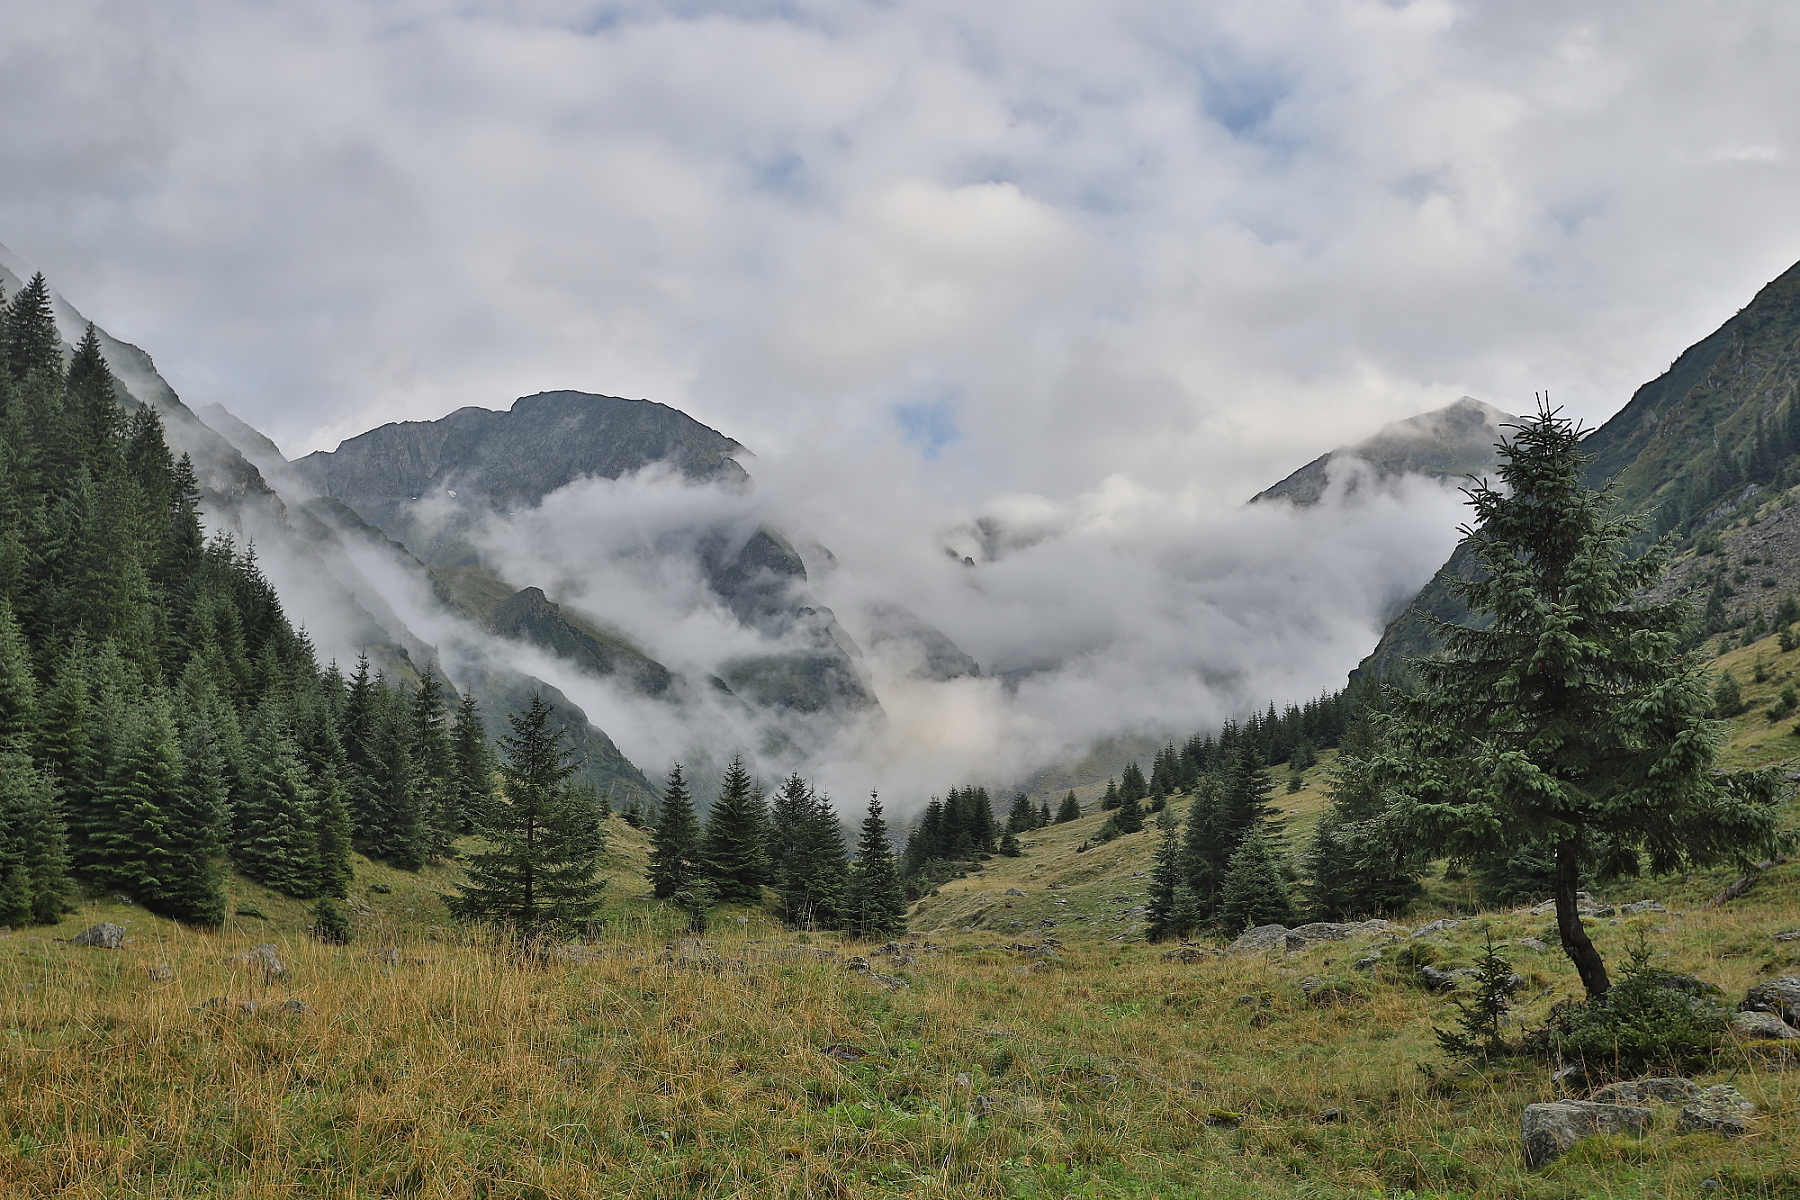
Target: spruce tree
812,879
541,875
433,769
675,841
18,685
1255,891
28,338
1165,878
276,841
1129,817
34,861
472,765
1572,719
1069,810
733,850
1043,815
1021,817
874,902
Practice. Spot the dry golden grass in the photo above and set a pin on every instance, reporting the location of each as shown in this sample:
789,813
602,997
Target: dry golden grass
460,1071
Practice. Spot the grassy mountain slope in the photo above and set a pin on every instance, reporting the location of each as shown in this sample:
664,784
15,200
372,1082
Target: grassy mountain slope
428,1064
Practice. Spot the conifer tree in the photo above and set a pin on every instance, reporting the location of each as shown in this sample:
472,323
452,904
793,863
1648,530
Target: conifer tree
675,841
1129,817
1021,817
540,877
34,862
1043,815
733,849
875,903
433,771
1110,800
1255,891
1132,784
28,338
1572,720
1009,845
472,764
276,838
812,878
1069,810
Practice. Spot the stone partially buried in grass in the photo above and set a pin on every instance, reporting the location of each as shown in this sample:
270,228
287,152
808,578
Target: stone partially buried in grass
1718,1109
1549,1130
104,936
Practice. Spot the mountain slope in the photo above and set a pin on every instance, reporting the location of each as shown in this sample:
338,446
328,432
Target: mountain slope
1699,448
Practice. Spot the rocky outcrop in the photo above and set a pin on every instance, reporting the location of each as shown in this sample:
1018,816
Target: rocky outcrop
1549,1131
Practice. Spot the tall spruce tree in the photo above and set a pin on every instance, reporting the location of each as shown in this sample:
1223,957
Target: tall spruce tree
675,864
1068,810
541,875
1255,891
733,849
1572,720
812,875
275,840
472,764
874,901
34,860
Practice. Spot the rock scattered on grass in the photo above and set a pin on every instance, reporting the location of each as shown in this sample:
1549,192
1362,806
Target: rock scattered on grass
104,936
1261,940
1549,1131
1440,926
1779,996
262,957
1662,1090
1763,1026
1720,1109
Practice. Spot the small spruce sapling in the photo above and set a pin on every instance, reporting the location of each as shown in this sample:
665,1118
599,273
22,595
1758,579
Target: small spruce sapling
1482,1018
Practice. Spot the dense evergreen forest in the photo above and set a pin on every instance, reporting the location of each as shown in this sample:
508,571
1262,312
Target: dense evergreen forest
159,714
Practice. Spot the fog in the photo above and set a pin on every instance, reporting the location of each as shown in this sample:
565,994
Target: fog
1124,610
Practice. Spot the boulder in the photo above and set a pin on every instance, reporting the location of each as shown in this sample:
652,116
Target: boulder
1778,996
104,936
1638,1091
1763,1025
1642,906
262,958
1261,940
296,1008
1548,1131
1788,935
1331,931
1367,963
1185,954
1015,891
1534,944
1442,926
1444,981
1718,1109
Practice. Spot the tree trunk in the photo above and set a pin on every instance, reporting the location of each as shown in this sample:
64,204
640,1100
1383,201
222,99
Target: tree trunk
1574,937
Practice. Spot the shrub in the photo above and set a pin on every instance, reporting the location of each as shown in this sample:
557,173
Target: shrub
330,922
1650,1021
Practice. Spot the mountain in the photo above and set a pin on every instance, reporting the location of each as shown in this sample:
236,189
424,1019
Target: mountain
1447,443
316,555
1709,452
429,485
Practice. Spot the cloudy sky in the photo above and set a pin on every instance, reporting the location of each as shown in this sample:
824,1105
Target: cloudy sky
1118,263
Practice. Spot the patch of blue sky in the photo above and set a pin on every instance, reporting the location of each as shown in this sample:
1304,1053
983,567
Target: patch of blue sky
929,423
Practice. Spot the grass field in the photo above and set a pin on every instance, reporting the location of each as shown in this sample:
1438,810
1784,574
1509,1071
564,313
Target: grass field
430,1064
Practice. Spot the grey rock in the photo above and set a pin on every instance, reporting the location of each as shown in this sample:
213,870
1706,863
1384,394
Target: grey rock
160,973
1331,931
1778,996
1763,1025
893,983
1444,981
1533,944
844,1052
1788,935
1261,940
1642,906
1015,891
1367,963
104,936
1718,1109
1660,1090
1548,1131
1185,954
296,1008
1442,926
263,958
1331,1116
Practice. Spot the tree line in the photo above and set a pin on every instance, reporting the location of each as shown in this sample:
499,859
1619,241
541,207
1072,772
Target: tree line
792,844
160,717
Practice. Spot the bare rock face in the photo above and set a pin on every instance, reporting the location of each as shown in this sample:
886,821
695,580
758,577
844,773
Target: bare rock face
104,936
1718,1109
1550,1130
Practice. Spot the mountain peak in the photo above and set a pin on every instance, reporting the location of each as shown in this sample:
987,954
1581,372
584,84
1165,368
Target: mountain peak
1445,443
